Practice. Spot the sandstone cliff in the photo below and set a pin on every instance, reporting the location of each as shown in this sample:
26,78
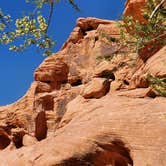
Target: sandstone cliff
90,104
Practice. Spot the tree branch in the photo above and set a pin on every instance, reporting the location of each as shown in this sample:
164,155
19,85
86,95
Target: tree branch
50,14
156,8
74,5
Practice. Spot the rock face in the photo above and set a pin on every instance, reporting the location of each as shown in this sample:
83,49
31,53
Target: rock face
97,88
90,105
134,8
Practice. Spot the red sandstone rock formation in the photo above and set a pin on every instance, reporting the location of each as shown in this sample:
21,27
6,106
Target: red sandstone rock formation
85,110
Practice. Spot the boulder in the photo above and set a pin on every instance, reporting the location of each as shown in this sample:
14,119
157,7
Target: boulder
52,71
155,65
28,140
97,88
115,85
43,87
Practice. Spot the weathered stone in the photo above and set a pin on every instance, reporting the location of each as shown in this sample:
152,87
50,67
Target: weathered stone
76,35
52,71
134,8
17,136
115,85
110,30
40,126
97,88
105,69
155,65
138,93
43,87
124,127
90,22
28,140
151,47
4,139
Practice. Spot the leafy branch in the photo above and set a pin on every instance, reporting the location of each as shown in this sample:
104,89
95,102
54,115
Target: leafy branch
157,8
31,29
157,84
153,29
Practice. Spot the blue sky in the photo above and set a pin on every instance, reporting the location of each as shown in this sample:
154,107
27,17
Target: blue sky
16,69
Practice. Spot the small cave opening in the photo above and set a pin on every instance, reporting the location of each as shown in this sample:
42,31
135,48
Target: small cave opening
64,82
4,141
114,153
123,151
18,139
107,74
47,82
47,102
126,82
96,38
151,94
89,28
41,126
77,82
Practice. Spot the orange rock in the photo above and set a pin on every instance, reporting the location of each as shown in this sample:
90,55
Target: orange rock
134,8
124,127
28,140
4,139
151,47
102,131
91,23
43,87
115,85
97,88
155,65
41,126
52,72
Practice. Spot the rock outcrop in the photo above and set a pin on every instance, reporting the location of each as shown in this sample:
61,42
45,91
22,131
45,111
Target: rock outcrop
90,105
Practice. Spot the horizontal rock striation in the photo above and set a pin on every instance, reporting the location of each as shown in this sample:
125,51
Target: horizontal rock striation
90,105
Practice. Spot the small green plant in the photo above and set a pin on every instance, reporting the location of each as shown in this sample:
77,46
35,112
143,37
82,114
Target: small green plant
152,29
165,115
158,84
109,38
105,57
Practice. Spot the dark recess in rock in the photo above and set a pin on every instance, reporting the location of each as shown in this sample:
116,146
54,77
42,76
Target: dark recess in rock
113,154
107,74
4,140
17,139
77,83
41,126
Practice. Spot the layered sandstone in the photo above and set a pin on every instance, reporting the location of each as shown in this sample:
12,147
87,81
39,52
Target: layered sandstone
90,104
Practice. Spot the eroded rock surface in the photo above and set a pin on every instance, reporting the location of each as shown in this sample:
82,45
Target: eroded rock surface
97,88
90,105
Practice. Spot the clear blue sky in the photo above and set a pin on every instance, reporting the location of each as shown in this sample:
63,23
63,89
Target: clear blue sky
16,69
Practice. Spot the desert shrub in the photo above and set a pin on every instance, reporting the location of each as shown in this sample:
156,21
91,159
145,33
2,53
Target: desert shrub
152,29
157,84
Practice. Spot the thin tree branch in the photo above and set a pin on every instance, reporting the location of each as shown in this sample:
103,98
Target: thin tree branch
74,5
50,14
156,8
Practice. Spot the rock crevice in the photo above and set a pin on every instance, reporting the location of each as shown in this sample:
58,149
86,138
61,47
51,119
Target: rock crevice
90,104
